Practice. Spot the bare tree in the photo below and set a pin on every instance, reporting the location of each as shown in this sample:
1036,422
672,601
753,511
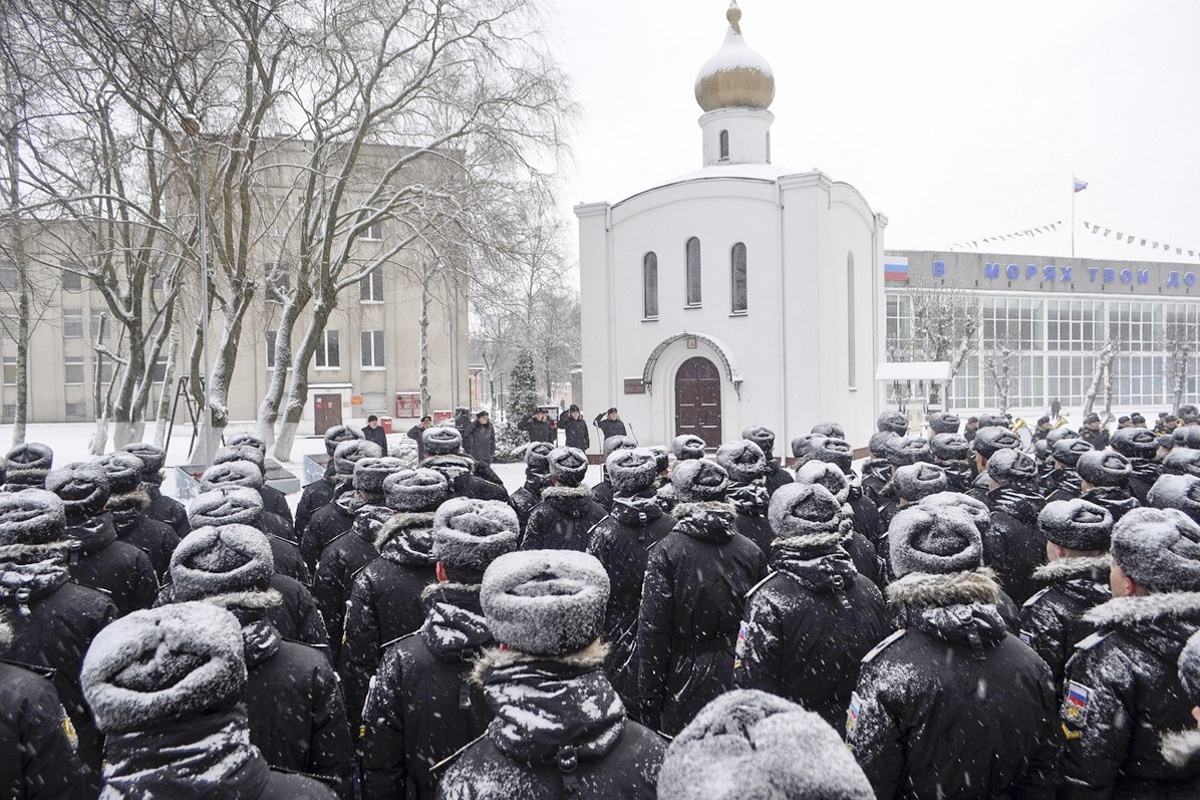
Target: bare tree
1002,368
1179,347
1101,366
943,325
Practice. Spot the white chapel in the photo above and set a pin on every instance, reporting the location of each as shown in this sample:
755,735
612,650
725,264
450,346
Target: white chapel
740,294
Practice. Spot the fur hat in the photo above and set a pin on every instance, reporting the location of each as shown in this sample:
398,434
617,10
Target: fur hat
905,450
806,510
1158,549
975,510
688,447
1012,466
241,453
823,448
830,476
1188,413
1104,468
763,437
415,490
1187,436
338,434
944,422
545,602
568,465
124,471
831,429
536,457
632,471
988,420
153,457
877,444
1058,434
471,534
748,743
27,464
226,505
936,540
894,421
441,440
1090,418
614,443
247,439
989,441
699,480
1068,451
224,559
231,473
1135,443
1189,668
164,665
1076,524
370,473
662,457
31,516
913,482
744,460
1166,442
1041,450
349,453
82,487
1177,491
950,447
1182,461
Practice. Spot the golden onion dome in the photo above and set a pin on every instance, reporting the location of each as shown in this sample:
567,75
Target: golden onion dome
735,76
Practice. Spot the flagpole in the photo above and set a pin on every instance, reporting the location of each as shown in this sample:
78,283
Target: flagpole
1073,193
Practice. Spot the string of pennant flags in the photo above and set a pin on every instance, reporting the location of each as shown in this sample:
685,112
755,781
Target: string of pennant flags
1142,241
1037,230
1096,229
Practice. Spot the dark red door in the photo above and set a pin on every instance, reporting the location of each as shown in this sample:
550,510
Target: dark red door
327,412
698,400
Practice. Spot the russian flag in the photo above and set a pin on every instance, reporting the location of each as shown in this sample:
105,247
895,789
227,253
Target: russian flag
1080,185
895,268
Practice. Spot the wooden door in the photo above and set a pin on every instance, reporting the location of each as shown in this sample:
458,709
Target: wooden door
698,400
327,412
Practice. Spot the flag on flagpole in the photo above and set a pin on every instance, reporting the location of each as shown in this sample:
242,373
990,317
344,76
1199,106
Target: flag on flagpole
1080,185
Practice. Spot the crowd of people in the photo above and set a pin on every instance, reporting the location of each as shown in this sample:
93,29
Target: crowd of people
953,619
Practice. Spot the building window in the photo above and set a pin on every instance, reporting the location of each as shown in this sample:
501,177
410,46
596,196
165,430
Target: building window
372,349
328,354
724,145
371,286
850,340
10,370
72,323
76,410
73,369
9,413
9,277
271,349
373,232
158,373
693,271
650,286
72,281
737,272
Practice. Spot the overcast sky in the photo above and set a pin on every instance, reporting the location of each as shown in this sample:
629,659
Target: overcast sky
956,120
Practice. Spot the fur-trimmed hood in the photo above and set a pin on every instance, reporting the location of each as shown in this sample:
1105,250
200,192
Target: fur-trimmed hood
582,490
137,500
922,589
1180,748
572,501
407,538
1075,567
958,608
590,657
708,521
1159,622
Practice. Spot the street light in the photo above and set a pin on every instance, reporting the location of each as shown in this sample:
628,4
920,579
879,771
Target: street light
191,126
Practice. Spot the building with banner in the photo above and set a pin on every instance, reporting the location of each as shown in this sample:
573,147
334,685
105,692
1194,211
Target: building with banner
1045,325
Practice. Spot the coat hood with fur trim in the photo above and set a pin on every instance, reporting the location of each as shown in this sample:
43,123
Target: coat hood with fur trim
407,539
958,608
1162,622
707,521
572,501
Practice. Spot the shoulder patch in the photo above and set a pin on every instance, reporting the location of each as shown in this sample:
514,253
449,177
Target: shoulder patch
852,715
885,644
1031,601
1091,641
1075,704
759,585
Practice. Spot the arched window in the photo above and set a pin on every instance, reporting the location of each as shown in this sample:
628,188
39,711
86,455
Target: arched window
724,144
650,286
850,343
737,272
693,271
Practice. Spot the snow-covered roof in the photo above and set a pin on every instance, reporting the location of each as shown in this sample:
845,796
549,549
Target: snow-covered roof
735,75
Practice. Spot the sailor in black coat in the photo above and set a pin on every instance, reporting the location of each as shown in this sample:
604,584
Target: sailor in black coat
539,428
775,475
234,504
466,477
320,493
1140,446
334,518
163,508
128,505
565,517
1015,548
602,492
746,466
575,428
248,447
1104,480
537,478
1062,482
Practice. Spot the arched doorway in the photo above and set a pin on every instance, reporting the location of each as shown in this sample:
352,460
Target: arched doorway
698,400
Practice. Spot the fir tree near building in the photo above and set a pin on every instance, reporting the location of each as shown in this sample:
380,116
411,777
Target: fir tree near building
522,399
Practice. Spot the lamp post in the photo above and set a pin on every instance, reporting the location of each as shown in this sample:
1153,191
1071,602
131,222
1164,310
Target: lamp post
191,127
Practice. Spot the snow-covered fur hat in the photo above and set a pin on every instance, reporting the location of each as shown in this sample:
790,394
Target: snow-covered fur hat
1058,434
615,443
1076,524
977,512
989,420
1012,466
82,487
247,439
662,457
415,490
936,540
164,665
1135,442
950,447
830,429
536,457
1177,491
231,473
348,454
806,510
370,473
568,465
124,471
221,560
1166,442
1188,413
545,602
763,437
1182,461
226,505
470,534
441,440
1187,436
632,471
917,481
31,516
878,443
944,422
828,475
1104,468
748,743
1158,549
153,457
241,453
989,441
822,448
699,480
894,421
27,464
905,450
744,460
1068,451
688,446
338,434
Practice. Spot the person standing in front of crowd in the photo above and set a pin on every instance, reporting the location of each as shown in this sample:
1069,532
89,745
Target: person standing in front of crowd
415,433
576,429
610,424
479,442
374,433
538,427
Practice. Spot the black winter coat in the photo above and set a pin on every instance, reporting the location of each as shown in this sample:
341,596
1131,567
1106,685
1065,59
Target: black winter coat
959,475
866,516
327,523
751,502
876,474
953,706
539,431
807,627
385,602
1117,500
1122,693
315,496
377,436
563,520
1015,547
524,500
416,433
334,578
479,442
577,434
120,570
776,476
692,602
156,539
1145,473
602,493
609,427
288,560
166,509
40,761
1098,439
275,502
296,617
560,732
422,709
622,541
478,488
1052,620
1061,484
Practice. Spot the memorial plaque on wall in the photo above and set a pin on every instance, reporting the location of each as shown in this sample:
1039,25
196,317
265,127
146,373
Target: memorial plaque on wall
634,386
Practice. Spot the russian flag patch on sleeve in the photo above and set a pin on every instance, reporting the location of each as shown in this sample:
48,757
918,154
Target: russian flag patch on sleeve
1075,705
